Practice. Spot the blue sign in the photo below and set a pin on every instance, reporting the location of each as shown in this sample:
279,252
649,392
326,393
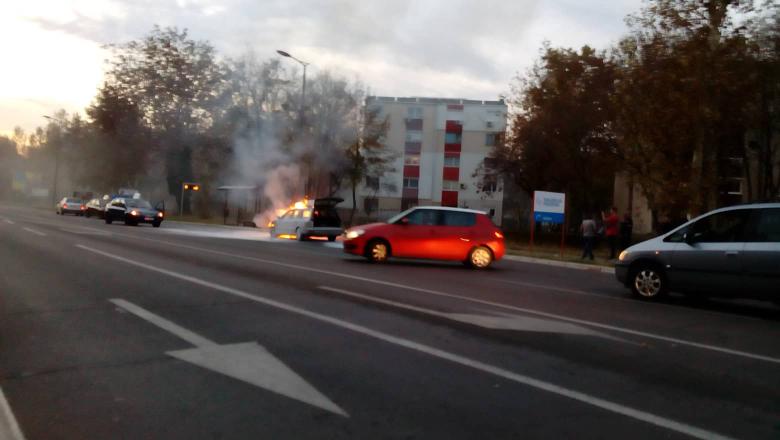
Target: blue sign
549,217
549,207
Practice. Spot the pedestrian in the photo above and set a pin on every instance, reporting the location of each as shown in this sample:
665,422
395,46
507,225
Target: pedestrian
588,230
626,230
611,230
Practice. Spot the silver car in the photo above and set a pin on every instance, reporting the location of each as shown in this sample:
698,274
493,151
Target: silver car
732,251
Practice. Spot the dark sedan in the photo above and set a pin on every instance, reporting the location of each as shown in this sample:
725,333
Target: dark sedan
133,212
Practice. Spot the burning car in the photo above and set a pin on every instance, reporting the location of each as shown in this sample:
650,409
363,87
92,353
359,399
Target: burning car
308,219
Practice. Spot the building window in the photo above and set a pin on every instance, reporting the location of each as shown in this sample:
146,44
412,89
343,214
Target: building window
412,147
489,184
451,161
408,203
455,107
411,182
452,138
414,112
372,182
490,139
413,136
450,185
412,159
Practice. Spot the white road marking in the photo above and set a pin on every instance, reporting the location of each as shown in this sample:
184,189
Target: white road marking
491,303
248,362
503,322
607,405
9,428
36,232
159,321
9,221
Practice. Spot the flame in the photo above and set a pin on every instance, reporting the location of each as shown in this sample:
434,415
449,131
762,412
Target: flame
301,204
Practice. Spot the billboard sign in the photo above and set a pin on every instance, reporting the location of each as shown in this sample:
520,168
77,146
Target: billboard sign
549,207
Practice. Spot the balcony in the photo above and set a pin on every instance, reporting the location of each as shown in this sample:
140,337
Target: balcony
414,124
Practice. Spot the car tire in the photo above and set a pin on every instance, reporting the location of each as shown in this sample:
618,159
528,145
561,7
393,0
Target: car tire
108,219
156,224
648,281
299,235
377,251
331,238
87,214
480,257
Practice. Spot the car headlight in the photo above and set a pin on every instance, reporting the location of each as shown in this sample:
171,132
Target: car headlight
134,212
623,256
354,233
160,214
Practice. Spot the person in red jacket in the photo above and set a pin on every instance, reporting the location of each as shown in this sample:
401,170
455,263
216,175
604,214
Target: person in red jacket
611,230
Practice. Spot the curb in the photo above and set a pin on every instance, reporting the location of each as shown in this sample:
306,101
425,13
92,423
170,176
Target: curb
210,225
578,266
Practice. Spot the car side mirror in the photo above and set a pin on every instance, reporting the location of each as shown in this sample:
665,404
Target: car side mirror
688,238
404,221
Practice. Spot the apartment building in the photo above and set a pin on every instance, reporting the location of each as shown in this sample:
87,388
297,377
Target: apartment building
442,147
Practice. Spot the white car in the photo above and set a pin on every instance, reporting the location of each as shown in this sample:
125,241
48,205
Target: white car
314,218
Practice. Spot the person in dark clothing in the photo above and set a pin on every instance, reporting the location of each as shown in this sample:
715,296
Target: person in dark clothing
611,230
588,229
626,230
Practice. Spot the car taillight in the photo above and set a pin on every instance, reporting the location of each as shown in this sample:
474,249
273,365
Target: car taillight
498,234
64,205
83,207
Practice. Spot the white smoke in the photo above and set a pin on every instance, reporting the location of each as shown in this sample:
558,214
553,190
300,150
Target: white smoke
281,187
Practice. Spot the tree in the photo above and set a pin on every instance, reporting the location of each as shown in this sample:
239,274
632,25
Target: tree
681,101
367,155
174,81
560,137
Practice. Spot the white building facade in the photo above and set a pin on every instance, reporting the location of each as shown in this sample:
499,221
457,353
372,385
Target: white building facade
442,148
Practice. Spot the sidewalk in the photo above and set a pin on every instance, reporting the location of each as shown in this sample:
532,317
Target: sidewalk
569,265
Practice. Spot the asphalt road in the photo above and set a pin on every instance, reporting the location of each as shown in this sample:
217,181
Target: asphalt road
111,331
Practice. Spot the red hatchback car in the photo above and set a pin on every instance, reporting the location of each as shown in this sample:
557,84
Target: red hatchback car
430,232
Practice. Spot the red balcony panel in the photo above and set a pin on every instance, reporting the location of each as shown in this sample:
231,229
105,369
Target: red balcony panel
452,148
409,193
411,171
454,127
449,198
414,124
451,173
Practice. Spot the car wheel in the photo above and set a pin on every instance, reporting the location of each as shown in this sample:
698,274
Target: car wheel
108,219
377,251
156,224
299,235
648,282
480,257
331,238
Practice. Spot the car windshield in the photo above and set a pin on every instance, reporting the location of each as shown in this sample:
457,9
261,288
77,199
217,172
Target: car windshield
397,217
138,203
71,200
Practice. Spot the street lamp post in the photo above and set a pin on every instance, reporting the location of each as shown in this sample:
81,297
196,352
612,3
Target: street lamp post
56,160
303,86
300,108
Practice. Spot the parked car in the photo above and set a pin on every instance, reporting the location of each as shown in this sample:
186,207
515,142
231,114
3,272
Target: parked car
313,218
132,212
70,205
430,232
96,207
732,251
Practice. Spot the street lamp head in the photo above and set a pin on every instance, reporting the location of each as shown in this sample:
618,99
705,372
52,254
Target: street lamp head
284,54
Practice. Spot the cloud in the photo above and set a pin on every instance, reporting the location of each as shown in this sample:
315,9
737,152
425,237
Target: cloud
453,48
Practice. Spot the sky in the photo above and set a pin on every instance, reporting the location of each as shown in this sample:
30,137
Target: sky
54,57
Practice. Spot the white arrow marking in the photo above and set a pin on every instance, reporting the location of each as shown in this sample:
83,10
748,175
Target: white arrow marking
503,322
10,222
248,362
